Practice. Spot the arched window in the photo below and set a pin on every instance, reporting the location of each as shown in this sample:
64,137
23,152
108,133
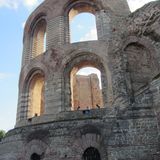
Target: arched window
39,38
70,73
86,88
83,28
36,94
82,23
91,153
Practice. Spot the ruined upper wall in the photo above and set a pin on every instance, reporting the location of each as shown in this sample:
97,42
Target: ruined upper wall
120,40
55,8
53,18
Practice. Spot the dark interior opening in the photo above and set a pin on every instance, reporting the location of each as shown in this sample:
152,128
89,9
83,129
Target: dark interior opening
35,156
91,153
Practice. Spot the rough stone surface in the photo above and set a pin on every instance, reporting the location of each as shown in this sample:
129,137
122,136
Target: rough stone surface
87,86
127,53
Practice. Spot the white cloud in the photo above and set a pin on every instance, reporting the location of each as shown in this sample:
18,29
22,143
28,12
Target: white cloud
79,26
4,75
23,24
9,3
15,4
30,3
135,4
91,35
88,70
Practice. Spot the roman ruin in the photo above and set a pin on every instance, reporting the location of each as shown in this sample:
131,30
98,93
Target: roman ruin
126,124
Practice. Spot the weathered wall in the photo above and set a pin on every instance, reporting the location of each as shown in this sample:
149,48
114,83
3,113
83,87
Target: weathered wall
130,134
126,53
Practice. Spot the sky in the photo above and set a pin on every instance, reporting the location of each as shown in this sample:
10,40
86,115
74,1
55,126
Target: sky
13,14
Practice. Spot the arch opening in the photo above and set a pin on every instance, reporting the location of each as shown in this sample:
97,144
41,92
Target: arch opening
39,38
91,153
82,23
36,94
140,66
86,87
35,156
83,28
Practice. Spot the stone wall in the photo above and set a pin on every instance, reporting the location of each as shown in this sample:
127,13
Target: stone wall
127,55
87,86
128,134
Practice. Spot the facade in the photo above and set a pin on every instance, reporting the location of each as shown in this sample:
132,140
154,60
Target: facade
127,53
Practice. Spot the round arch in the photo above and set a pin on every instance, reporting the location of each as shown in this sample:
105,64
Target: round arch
141,47
30,76
81,6
38,36
33,19
35,149
146,42
33,94
83,59
35,33
88,136
73,8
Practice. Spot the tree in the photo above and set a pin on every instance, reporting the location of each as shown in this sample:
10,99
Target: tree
2,134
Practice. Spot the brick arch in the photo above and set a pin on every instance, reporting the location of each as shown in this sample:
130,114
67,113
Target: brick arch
34,18
30,76
26,73
88,136
35,26
145,52
25,96
40,16
28,70
76,61
82,6
71,3
146,42
37,36
35,146
73,8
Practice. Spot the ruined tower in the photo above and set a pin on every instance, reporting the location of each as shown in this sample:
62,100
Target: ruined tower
49,125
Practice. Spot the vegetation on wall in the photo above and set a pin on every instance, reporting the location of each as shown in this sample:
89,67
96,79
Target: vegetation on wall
2,134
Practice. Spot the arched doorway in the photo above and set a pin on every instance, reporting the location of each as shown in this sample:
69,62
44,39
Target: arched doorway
91,153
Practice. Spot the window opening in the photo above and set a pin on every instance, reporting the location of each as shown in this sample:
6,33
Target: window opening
83,28
36,92
39,38
86,88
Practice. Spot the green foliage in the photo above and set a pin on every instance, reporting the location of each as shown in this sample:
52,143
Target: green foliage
2,134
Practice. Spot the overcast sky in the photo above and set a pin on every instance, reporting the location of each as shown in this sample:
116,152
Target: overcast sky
13,15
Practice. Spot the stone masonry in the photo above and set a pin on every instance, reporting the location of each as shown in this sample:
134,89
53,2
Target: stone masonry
87,86
127,53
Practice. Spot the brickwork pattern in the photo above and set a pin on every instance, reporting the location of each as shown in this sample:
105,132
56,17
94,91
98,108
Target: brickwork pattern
127,128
